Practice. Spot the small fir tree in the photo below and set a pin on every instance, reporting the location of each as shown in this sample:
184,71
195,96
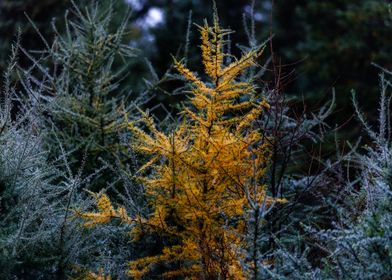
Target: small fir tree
81,95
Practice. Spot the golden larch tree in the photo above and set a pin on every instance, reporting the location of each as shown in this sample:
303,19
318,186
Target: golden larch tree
203,173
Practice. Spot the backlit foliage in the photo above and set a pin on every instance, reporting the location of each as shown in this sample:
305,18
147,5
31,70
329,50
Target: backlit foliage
203,173
105,214
94,276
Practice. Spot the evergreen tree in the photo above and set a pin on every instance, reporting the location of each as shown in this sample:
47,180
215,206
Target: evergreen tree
83,102
42,177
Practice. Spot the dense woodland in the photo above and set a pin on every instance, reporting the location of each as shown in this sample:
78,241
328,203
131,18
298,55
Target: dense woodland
193,139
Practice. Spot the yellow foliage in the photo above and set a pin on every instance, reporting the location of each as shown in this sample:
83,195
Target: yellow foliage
105,214
212,165
98,276
89,275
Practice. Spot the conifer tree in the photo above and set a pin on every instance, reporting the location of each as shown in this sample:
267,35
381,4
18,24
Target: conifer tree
67,100
83,103
204,173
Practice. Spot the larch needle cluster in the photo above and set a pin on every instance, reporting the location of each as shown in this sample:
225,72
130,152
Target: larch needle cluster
204,173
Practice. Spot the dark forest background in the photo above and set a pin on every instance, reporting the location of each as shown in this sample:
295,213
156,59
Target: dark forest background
318,45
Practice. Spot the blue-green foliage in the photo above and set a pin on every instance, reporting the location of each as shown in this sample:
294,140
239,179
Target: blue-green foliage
362,247
49,132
